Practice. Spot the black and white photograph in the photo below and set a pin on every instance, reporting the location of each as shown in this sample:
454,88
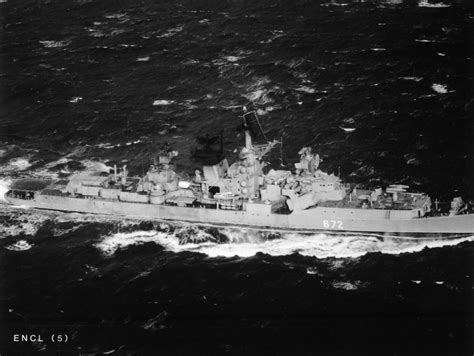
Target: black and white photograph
235,177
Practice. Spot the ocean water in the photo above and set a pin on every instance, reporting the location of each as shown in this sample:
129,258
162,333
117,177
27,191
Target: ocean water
382,90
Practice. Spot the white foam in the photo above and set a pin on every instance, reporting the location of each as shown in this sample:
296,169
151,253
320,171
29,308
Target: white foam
272,108
259,96
415,79
424,40
171,32
18,164
110,244
96,33
75,100
63,160
20,245
334,4
96,166
426,96
248,242
256,91
347,129
116,16
434,5
4,187
133,143
275,34
345,285
24,222
440,88
163,102
306,89
54,44
255,95
232,58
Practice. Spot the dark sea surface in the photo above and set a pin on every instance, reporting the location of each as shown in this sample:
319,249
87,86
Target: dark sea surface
383,90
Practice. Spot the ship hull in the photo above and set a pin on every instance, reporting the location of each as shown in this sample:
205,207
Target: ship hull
319,219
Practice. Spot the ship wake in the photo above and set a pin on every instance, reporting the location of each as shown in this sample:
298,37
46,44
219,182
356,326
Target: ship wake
246,243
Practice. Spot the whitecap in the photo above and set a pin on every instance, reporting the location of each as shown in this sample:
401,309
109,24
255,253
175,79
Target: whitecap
19,164
272,108
96,33
259,96
163,102
143,59
306,89
97,166
426,96
416,79
232,58
334,4
434,5
4,188
255,95
440,88
190,62
413,161
75,99
110,244
54,44
424,40
378,49
133,142
20,245
116,16
347,129
171,32
345,285
47,166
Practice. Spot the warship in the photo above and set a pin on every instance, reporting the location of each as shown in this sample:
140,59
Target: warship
244,194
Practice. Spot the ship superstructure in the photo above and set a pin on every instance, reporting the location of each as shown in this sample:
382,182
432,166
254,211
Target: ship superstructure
242,194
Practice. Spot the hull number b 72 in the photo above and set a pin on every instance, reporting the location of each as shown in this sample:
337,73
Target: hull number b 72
333,224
